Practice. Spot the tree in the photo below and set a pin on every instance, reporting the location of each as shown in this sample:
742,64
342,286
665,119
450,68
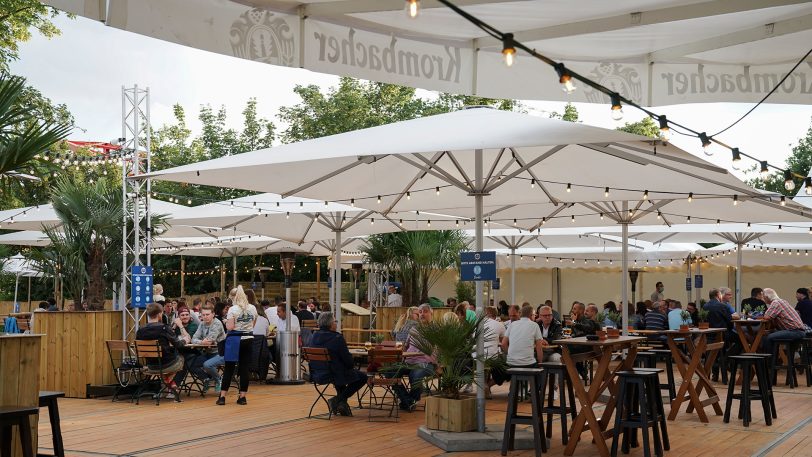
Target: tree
644,127
18,18
570,113
22,134
417,258
798,162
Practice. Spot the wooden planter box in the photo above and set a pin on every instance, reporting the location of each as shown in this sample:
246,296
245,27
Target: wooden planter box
451,415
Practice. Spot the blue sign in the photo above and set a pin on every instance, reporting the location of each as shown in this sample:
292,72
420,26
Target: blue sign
140,286
496,284
329,283
698,281
688,283
478,266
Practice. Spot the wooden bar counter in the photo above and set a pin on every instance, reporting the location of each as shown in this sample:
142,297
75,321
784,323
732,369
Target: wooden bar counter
19,377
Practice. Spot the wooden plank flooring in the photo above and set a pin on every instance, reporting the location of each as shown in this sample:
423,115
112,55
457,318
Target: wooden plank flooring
275,422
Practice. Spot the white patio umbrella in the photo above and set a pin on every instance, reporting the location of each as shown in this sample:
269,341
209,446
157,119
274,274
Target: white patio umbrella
25,238
440,162
654,52
785,255
21,267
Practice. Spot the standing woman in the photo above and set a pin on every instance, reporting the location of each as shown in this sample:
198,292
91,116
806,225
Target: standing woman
240,322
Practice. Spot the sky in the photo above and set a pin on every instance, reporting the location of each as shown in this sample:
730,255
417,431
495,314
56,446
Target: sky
87,65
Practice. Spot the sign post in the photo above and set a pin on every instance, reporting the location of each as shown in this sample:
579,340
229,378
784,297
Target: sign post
478,266
140,289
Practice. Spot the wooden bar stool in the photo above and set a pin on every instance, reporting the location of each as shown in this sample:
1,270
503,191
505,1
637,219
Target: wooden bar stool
48,399
667,357
790,347
11,416
636,409
556,374
764,365
532,376
749,366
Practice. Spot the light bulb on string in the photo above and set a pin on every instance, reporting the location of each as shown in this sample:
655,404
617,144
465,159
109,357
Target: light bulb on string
690,197
379,199
808,185
508,49
532,183
605,192
565,78
617,108
645,195
783,201
706,144
437,190
764,170
569,187
735,200
789,182
737,158
408,195
412,8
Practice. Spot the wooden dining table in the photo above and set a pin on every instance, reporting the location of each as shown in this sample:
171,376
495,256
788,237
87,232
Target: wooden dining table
750,332
603,379
689,363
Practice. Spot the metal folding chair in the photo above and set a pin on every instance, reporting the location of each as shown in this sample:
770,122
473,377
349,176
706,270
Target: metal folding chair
150,351
318,355
125,365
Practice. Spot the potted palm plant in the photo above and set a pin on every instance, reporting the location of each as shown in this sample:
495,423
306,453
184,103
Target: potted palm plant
452,343
686,317
617,319
702,315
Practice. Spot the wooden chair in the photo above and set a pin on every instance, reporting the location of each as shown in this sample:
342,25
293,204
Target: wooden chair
150,351
24,324
384,380
318,355
125,365
310,324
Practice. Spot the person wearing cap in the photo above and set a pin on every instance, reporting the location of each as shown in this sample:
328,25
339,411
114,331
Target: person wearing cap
804,306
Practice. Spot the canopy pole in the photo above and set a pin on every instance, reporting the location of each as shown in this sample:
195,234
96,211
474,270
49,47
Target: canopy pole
16,286
318,279
337,283
222,280
480,309
512,275
698,291
738,287
234,270
182,276
624,290
29,293
688,281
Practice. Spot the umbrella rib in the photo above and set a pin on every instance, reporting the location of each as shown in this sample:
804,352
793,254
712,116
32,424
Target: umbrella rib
430,168
419,175
459,168
664,238
498,210
706,166
529,165
338,171
235,224
307,230
358,218
555,211
654,207
496,161
501,242
541,185
525,241
386,216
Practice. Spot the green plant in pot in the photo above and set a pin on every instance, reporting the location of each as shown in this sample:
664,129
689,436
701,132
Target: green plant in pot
747,310
452,343
702,315
376,339
617,319
686,318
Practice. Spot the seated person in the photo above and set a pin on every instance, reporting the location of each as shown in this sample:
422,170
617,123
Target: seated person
346,379
523,342
785,320
551,330
675,317
171,361
421,366
719,316
304,314
209,333
583,322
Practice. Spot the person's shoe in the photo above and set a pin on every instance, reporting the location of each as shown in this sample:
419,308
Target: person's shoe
218,385
412,406
206,385
344,409
332,403
220,401
170,396
242,401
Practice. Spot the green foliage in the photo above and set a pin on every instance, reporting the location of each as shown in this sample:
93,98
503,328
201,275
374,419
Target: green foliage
615,317
799,162
18,18
686,316
452,342
465,291
702,314
418,258
570,113
601,316
646,127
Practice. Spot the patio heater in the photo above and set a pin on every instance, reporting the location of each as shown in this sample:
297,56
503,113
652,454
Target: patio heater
289,369
633,274
356,274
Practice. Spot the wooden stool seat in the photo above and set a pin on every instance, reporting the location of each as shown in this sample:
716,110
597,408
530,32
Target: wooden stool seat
667,357
749,365
16,415
532,376
636,408
556,374
47,399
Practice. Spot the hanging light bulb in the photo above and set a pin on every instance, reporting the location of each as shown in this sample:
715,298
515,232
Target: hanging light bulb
737,158
601,216
780,228
532,183
573,219
690,197
287,215
789,182
605,192
379,199
352,202
706,144
189,201
508,49
617,108
428,222
808,185
412,8
569,187
437,190
645,195
514,222
764,170
659,215
718,221
408,195
564,78
783,201
400,222
735,200
689,219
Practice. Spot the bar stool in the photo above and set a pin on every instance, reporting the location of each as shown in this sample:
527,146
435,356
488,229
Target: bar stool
666,356
749,365
16,415
806,358
790,348
636,408
556,374
645,359
48,399
512,418
764,365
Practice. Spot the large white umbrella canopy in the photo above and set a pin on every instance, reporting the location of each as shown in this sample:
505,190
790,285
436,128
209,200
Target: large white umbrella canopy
788,255
655,52
25,238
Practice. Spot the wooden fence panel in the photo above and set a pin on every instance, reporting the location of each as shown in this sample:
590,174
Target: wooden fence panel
19,380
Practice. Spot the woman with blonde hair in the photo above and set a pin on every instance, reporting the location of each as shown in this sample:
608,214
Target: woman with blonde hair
405,324
240,322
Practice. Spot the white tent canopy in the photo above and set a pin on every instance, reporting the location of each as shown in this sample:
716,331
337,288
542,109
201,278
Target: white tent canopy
787,255
25,238
655,52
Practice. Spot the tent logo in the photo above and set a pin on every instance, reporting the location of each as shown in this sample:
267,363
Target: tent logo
263,36
617,77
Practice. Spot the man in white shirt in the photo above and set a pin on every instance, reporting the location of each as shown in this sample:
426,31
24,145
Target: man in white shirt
494,331
522,337
282,320
550,330
393,298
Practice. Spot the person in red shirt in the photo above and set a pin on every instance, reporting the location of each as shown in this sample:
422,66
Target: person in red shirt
785,320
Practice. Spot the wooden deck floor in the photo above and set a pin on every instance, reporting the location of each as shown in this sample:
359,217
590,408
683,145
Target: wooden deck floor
275,422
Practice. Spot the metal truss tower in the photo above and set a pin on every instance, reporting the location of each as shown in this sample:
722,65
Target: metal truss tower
136,193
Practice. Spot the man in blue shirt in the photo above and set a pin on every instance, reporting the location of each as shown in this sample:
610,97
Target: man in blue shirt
675,317
656,319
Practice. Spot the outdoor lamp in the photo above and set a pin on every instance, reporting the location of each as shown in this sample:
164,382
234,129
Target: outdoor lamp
412,8
789,183
617,108
808,185
706,144
287,259
737,158
564,78
764,171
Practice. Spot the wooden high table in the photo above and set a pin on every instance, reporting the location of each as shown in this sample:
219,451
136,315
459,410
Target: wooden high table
749,336
603,379
689,364
20,377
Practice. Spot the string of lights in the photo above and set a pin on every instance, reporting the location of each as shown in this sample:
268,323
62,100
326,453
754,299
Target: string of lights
567,77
